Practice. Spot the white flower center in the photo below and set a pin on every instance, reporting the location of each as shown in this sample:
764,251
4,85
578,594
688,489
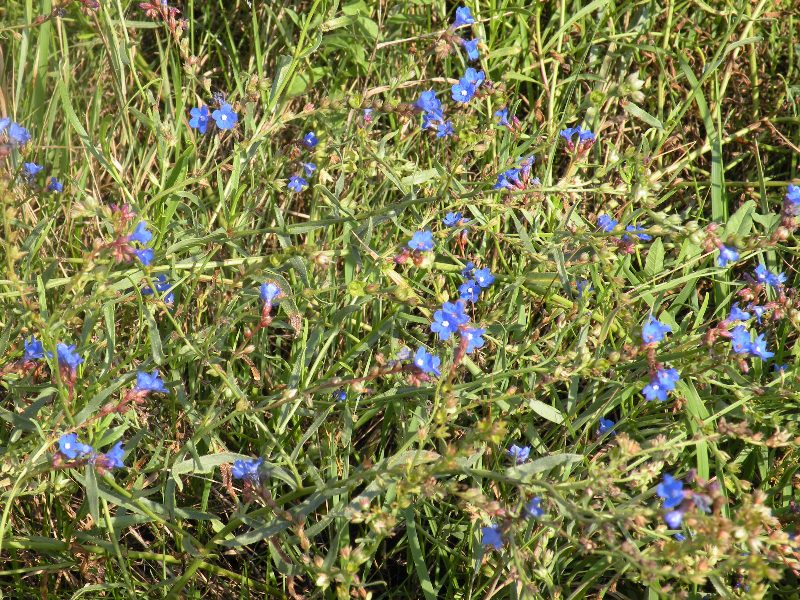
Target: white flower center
445,324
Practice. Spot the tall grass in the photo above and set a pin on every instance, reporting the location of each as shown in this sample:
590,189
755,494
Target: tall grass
377,480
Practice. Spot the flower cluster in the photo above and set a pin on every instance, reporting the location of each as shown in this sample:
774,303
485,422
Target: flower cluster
225,117
627,242
576,137
433,114
767,301
297,183
662,380
678,501
517,178
73,453
16,137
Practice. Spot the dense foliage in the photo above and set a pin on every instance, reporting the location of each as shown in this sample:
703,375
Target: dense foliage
403,299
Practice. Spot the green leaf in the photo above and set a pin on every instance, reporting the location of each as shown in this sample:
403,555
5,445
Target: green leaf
643,115
527,470
546,411
654,263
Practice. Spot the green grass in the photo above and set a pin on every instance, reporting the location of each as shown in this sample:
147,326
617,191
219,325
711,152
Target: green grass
384,495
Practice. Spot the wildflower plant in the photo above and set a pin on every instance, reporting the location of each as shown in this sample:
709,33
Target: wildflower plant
474,299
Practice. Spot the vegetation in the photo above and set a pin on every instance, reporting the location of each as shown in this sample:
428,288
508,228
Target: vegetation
532,334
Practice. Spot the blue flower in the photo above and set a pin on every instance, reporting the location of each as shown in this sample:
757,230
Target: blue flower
421,241
4,122
484,277
33,350
679,537
310,140
67,357
776,280
309,168
31,170
199,119
655,391
654,330
667,378
606,223
430,121
247,469
463,17
508,180
673,519
468,269
780,368
340,395
269,292
605,425
225,117
519,454
740,340
534,508
297,183
759,348
793,197
661,384
55,186
445,129
18,134
502,115
114,457
764,275
69,446
634,229
584,135
473,77
462,91
452,219
525,166
147,382
471,48
727,254
427,362
670,490
145,256
469,291
474,339
140,234
448,319
503,183
758,311
161,286
737,314
491,536
429,104
583,285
